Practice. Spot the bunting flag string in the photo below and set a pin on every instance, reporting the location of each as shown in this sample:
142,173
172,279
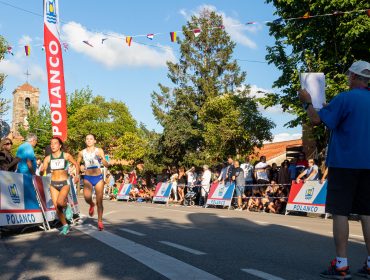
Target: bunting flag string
196,31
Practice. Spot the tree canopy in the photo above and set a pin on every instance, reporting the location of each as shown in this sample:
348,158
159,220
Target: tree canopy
320,44
207,113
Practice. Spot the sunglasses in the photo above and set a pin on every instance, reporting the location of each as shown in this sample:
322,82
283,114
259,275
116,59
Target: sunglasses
8,143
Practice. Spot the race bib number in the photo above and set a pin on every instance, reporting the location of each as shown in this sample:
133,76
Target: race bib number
57,163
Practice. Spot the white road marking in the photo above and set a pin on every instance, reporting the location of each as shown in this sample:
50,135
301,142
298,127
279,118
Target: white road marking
356,236
261,274
187,249
110,212
132,232
166,265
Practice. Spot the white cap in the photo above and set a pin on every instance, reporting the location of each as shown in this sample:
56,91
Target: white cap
361,68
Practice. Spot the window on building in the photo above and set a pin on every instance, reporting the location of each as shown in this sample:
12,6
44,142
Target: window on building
27,103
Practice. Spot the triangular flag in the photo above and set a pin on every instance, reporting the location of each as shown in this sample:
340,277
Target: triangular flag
150,36
27,50
102,40
196,32
251,22
128,40
87,43
65,46
306,15
173,36
277,21
9,50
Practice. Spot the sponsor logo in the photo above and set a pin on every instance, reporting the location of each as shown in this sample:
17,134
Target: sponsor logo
51,12
13,191
309,193
14,219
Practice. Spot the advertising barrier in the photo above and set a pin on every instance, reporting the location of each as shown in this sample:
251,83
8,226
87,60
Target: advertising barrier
124,192
26,199
162,192
220,194
307,197
18,201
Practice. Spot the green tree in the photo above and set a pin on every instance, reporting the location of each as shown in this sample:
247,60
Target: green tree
322,44
205,71
4,103
39,123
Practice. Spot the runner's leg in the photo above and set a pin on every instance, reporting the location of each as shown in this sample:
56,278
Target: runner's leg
99,188
54,197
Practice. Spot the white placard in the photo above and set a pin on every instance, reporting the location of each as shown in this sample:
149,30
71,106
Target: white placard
314,83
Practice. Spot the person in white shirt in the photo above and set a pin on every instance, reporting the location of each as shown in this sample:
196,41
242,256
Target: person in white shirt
191,176
248,173
206,181
311,173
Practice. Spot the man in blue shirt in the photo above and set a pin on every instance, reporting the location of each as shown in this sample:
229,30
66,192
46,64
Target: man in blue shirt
348,118
25,152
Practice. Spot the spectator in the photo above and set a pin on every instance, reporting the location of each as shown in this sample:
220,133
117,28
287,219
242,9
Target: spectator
284,177
25,152
248,173
260,171
113,194
132,177
274,172
255,200
238,178
181,183
347,116
222,176
311,173
272,188
292,169
206,181
173,179
323,179
229,170
7,161
192,176
301,163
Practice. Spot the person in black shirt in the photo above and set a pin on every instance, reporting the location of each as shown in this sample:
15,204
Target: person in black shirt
7,161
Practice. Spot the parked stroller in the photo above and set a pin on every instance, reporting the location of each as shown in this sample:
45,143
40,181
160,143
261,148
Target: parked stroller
191,195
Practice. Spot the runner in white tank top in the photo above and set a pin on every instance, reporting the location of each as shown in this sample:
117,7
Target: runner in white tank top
93,158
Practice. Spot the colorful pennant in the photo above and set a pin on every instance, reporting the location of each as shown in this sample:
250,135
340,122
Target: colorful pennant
27,50
306,15
9,50
102,40
173,36
196,32
65,46
87,43
150,36
128,40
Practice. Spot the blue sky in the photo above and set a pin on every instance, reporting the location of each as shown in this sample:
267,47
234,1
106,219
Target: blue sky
131,74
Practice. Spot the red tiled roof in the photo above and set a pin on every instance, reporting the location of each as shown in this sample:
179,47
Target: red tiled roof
26,87
272,150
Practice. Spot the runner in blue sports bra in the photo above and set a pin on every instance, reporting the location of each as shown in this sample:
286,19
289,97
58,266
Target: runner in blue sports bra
93,157
59,185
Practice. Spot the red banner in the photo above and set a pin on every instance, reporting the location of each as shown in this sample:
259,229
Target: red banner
54,66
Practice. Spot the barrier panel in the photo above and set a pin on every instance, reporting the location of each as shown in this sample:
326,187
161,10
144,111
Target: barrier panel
72,198
18,201
26,199
220,194
162,192
124,192
307,197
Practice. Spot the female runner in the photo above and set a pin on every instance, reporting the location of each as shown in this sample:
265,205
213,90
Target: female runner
59,185
93,157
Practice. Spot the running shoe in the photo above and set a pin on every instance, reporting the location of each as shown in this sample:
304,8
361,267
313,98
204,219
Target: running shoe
68,213
364,271
336,273
65,230
91,209
100,226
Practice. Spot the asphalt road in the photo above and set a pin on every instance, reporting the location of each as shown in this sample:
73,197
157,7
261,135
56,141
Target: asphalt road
152,241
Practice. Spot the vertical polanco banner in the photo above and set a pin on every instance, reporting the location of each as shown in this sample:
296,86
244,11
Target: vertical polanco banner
54,67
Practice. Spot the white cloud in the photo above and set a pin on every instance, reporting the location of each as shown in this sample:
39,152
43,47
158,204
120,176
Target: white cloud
233,26
114,52
17,68
285,136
